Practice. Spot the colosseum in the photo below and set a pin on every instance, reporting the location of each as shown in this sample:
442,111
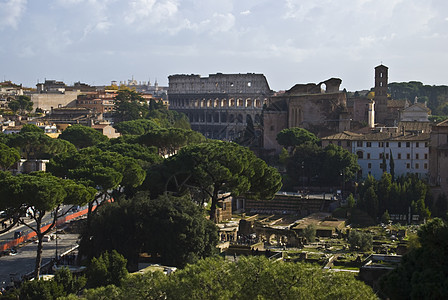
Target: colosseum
220,106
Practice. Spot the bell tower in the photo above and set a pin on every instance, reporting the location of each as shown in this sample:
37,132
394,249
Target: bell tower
381,78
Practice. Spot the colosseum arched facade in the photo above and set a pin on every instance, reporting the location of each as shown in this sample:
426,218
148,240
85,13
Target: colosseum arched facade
220,105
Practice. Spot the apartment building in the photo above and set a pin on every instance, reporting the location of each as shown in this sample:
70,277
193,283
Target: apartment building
408,150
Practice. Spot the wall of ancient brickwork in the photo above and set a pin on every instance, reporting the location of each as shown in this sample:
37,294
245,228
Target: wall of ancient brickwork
218,83
220,105
310,106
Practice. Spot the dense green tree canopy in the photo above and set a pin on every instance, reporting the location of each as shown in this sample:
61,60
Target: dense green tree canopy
136,127
338,164
397,197
169,118
14,105
8,156
129,105
104,170
295,136
63,284
145,155
22,103
174,229
249,278
423,272
359,240
38,145
30,128
217,170
168,141
332,165
82,136
108,268
108,172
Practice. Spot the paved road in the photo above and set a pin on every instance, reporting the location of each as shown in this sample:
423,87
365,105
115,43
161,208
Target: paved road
9,235
23,262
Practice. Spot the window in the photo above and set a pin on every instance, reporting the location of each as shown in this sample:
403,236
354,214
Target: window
369,165
399,156
399,144
417,166
408,166
381,144
360,154
408,144
416,156
426,155
359,143
417,144
425,166
426,144
387,144
381,155
348,144
368,155
387,155
381,166
369,144
408,156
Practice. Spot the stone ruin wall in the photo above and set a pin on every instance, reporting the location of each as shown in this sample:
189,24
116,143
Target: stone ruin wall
218,83
218,106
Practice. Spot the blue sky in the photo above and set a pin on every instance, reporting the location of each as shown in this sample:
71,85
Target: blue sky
290,41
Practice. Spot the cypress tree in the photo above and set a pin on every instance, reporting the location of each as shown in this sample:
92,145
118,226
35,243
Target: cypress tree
392,165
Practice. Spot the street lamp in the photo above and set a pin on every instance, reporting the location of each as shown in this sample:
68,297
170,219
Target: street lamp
342,183
303,175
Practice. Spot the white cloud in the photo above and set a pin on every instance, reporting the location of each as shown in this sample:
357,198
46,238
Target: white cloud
11,12
222,22
245,13
298,9
150,11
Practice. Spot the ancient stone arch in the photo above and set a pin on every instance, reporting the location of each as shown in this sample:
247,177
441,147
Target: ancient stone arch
286,237
223,117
